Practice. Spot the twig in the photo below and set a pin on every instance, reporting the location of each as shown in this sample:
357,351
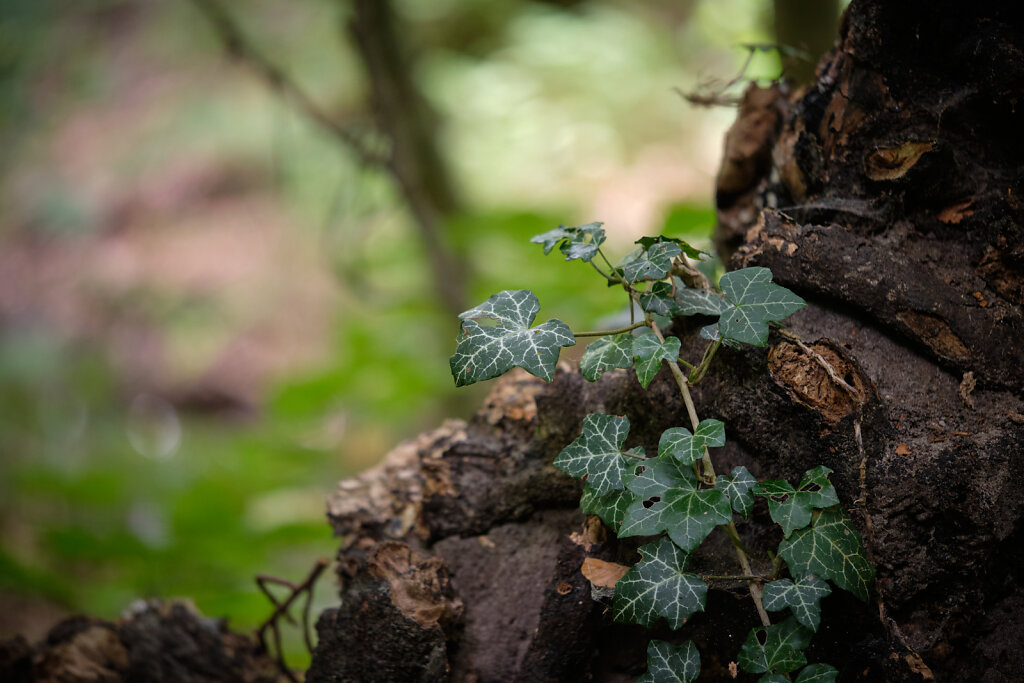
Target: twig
281,610
854,394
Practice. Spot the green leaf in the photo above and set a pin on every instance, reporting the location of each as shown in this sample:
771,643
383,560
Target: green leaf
698,302
754,302
687,447
773,678
597,453
610,507
668,499
484,352
791,508
802,596
607,353
669,664
775,649
686,247
649,352
736,487
818,673
831,549
658,300
711,333
575,242
657,586
649,264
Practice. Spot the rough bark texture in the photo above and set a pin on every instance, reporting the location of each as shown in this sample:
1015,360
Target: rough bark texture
160,642
889,194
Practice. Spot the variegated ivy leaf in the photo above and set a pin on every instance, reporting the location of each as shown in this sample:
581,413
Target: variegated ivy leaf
802,596
611,507
649,263
736,487
687,447
754,301
575,242
818,673
667,663
775,649
790,507
649,352
830,549
668,499
607,353
658,586
484,352
597,453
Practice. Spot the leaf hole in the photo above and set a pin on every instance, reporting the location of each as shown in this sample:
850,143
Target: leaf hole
640,469
780,497
812,488
649,503
762,637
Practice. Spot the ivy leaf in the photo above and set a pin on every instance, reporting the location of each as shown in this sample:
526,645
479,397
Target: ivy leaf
610,507
657,586
607,353
649,352
736,487
802,596
669,664
686,247
773,678
658,300
831,549
791,508
668,499
687,447
649,263
597,453
699,302
484,352
754,301
711,333
575,242
818,673
775,649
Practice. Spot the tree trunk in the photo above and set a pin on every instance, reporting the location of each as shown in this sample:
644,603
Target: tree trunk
888,193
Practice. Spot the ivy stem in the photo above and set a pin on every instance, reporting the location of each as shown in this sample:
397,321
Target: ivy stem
734,577
603,274
608,263
705,363
605,333
709,475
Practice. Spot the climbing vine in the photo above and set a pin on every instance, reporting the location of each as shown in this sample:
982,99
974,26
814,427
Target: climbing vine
677,495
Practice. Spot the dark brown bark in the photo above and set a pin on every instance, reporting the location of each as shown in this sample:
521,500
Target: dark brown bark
888,193
162,643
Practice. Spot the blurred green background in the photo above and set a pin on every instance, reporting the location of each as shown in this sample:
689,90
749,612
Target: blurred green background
211,311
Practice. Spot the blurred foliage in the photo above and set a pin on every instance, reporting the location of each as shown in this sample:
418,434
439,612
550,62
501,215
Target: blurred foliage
110,489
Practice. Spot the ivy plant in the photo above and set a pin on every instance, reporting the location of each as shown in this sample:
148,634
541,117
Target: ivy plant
676,497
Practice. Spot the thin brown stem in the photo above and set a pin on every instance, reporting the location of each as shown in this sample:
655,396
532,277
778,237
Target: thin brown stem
605,333
709,476
281,610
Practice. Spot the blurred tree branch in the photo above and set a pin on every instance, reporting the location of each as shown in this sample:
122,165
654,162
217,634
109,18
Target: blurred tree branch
403,116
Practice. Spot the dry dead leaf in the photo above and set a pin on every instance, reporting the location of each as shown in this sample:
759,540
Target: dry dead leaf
902,449
601,573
